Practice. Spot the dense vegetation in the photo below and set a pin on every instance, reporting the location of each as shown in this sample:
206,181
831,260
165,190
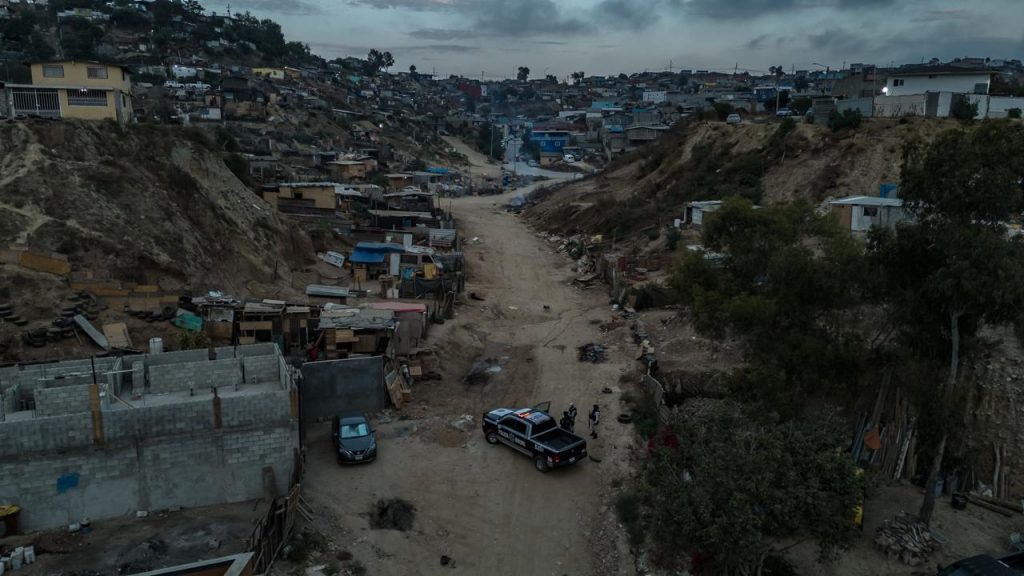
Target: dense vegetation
820,315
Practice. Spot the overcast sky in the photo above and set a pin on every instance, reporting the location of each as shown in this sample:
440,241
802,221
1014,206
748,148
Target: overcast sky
611,36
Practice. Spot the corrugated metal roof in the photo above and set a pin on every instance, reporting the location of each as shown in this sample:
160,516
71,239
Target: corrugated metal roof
867,201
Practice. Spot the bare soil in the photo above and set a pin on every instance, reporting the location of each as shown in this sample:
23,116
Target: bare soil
133,545
484,507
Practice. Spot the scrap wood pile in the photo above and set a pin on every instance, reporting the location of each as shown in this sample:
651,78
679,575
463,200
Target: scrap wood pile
907,539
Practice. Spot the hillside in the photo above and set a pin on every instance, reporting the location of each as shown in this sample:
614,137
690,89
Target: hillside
702,160
143,204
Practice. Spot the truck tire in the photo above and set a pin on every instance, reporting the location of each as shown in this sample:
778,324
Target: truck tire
541,464
492,437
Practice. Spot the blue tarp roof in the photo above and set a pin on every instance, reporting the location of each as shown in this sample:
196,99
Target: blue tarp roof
380,247
363,257
436,170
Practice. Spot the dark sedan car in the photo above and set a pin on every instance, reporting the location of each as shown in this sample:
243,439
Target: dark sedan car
354,441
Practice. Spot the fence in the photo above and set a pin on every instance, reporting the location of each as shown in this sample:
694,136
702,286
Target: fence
273,530
655,391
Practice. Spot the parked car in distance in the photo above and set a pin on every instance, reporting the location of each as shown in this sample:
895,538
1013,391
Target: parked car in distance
535,433
569,158
354,441
173,84
783,112
532,163
733,119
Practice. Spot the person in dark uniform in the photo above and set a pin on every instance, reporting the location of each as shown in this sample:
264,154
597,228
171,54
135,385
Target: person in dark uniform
595,419
566,422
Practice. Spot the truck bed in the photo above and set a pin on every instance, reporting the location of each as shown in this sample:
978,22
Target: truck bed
558,439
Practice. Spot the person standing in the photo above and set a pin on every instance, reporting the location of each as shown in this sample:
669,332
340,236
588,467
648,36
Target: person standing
595,419
566,422
572,416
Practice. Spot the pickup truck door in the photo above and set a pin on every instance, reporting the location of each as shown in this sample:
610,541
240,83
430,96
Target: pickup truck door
514,431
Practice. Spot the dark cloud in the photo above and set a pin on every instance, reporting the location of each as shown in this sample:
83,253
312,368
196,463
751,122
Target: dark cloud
442,34
286,7
745,9
335,48
756,43
941,16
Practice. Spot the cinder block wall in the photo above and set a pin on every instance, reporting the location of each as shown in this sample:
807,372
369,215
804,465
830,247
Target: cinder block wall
196,375
152,457
62,400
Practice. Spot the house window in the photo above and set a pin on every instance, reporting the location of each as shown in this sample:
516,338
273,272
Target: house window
897,82
87,97
871,211
53,71
96,72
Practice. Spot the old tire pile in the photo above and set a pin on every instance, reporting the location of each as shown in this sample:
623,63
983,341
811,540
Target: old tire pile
35,338
7,315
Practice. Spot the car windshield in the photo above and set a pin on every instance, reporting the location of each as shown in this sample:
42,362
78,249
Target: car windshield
354,430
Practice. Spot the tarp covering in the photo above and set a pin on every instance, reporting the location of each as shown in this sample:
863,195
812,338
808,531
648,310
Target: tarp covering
366,257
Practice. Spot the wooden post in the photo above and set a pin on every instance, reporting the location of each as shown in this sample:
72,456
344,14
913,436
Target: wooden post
217,417
97,415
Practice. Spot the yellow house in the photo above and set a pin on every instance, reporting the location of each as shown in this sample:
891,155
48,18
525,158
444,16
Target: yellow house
272,73
303,197
73,89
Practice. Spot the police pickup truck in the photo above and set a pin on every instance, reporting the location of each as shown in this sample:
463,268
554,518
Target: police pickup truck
536,434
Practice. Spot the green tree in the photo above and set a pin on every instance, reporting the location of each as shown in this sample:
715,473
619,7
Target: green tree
551,79
130,19
954,269
38,48
488,140
80,37
963,109
800,105
787,285
848,119
723,109
743,489
523,74
19,28
412,70
577,77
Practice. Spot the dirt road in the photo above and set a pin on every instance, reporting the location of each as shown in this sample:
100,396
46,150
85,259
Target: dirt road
485,506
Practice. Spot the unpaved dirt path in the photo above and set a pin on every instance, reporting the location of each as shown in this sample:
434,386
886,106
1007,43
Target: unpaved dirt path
485,506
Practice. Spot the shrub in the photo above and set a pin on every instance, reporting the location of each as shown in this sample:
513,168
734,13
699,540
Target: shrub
723,109
963,109
1013,113
628,509
672,239
847,119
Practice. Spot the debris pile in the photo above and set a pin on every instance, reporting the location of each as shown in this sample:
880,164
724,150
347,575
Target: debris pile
392,514
592,353
907,539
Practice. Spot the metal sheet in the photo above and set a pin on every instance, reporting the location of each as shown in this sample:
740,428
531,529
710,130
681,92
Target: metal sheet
336,387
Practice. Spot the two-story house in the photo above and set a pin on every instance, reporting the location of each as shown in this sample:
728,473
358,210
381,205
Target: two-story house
73,89
923,79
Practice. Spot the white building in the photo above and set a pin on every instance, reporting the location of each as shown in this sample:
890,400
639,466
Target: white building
861,213
923,79
655,96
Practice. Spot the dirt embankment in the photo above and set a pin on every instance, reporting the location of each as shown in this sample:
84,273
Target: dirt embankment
141,204
711,160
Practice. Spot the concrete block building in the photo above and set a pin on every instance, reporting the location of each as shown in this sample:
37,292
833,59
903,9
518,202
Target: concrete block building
73,89
108,437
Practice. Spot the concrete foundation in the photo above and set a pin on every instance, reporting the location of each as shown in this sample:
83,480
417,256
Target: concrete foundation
148,444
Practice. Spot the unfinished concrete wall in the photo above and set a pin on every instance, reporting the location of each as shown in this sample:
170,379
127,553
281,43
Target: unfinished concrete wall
62,400
202,375
162,450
